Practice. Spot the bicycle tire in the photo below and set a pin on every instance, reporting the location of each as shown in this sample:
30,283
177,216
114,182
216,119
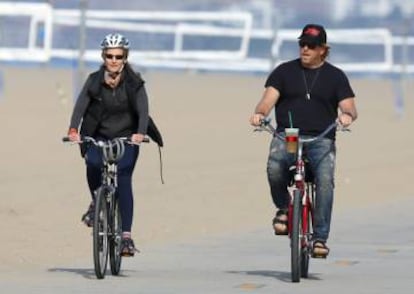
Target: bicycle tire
100,234
305,250
295,237
115,238
307,234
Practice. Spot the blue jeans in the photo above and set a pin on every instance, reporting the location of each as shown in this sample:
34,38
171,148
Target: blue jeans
126,165
321,155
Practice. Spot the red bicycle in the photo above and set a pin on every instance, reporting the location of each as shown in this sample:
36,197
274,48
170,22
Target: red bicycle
302,201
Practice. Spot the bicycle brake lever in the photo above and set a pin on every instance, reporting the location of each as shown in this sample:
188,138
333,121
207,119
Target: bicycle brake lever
343,129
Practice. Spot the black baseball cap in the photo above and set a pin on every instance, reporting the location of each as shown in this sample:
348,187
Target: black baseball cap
313,34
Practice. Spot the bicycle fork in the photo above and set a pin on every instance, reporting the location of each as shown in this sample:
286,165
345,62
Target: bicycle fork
306,213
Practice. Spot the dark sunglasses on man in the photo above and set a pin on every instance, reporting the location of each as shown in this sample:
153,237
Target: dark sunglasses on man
307,44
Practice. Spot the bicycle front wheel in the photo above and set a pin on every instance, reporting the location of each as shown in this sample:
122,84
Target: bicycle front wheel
295,237
305,262
307,232
115,238
100,233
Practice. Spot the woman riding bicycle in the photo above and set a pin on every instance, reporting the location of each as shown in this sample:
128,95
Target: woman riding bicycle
306,94
113,103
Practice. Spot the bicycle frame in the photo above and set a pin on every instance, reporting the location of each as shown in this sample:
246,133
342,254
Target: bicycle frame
108,239
300,217
107,223
110,176
107,226
307,194
114,231
301,204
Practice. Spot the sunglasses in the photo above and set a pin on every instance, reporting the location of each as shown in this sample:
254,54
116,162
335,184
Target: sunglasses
307,44
111,56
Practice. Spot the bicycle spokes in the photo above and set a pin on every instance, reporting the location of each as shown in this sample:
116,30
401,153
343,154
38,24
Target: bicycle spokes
100,235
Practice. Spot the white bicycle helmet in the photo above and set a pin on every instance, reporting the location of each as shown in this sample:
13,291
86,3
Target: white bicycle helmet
115,41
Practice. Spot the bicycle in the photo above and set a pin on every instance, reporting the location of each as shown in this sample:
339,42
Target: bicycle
302,201
107,225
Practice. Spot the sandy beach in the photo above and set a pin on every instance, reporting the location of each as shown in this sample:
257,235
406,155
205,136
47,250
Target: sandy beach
213,163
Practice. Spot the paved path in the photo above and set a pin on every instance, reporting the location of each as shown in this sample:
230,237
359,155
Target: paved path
372,252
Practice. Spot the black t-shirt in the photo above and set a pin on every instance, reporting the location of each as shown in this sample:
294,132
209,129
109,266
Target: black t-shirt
311,96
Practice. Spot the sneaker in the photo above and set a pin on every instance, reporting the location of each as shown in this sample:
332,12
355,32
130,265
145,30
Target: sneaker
127,247
88,216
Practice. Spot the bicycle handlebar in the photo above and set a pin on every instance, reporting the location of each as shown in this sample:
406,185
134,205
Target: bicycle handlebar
87,139
112,150
320,136
266,126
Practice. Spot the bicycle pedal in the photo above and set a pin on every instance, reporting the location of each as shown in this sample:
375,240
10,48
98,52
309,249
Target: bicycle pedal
319,256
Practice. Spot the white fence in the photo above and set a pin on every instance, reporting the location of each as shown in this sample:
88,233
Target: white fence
39,15
47,30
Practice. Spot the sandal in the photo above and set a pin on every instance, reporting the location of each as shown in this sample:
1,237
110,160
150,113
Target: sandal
280,222
319,249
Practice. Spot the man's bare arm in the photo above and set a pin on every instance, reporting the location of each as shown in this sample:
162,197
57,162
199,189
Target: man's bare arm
348,111
265,105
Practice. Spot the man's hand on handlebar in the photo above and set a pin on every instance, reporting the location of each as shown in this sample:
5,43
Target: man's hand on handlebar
257,119
345,120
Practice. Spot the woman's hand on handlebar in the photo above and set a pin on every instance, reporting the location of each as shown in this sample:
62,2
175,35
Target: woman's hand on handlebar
73,135
137,138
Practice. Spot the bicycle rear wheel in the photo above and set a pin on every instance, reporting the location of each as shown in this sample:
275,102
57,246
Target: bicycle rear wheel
295,237
100,233
115,238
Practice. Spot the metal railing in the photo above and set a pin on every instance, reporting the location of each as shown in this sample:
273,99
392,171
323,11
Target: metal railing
183,39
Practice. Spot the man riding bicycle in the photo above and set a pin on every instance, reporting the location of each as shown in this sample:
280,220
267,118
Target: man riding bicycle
306,93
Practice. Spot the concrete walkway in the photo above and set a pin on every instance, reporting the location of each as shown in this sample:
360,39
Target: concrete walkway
372,251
